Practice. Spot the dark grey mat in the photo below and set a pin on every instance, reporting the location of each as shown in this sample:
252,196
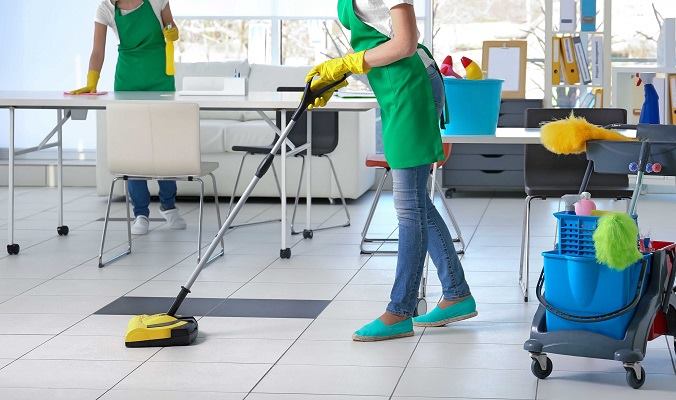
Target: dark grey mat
212,307
156,305
265,308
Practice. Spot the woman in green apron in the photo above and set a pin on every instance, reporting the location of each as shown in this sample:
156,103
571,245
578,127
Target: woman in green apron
410,93
141,66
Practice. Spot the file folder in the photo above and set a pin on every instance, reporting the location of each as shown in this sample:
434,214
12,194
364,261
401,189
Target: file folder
672,95
597,60
556,60
570,68
581,58
568,13
588,15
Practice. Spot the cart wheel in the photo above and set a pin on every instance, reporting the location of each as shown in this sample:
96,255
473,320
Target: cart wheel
632,379
62,230
538,371
13,249
307,234
421,307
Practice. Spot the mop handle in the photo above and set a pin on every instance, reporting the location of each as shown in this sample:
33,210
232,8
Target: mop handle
642,160
308,98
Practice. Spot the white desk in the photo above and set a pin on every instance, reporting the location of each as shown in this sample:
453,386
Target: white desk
76,107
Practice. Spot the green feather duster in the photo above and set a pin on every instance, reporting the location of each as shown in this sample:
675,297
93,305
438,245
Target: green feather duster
615,241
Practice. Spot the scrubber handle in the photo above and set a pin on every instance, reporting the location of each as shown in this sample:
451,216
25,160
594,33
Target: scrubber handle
593,318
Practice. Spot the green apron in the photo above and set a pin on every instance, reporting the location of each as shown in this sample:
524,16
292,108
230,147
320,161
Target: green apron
141,54
411,134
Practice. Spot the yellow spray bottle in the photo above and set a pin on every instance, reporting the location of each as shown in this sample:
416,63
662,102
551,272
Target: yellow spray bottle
170,35
473,70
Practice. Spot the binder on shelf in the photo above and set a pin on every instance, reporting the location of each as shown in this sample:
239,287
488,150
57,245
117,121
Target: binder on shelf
570,67
597,61
588,15
556,60
581,58
672,95
568,13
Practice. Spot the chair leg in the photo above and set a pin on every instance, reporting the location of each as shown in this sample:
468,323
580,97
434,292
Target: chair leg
369,218
218,211
199,219
340,191
525,249
274,173
454,222
234,189
102,264
295,203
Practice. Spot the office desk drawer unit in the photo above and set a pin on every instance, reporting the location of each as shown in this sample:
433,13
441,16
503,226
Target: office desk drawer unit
484,167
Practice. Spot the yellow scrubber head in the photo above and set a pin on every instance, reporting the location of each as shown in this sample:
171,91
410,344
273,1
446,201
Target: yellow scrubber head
570,135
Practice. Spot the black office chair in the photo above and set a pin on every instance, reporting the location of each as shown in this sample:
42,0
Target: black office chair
550,175
324,142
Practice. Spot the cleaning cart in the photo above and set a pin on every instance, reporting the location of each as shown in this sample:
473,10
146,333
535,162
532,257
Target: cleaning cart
614,317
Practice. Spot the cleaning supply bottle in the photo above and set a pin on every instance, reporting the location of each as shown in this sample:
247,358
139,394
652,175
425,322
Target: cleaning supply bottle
169,51
447,68
569,201
585,205
650,112
473,70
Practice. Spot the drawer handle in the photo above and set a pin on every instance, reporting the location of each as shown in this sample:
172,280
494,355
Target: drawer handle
492,155
492,171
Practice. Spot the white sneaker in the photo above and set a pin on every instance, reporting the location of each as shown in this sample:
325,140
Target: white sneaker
140,225
174,220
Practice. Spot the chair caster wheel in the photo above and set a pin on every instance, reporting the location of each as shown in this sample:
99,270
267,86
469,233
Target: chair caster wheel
633,380
13,249
285,253
420,308
460,252
62,230
307,234
538,371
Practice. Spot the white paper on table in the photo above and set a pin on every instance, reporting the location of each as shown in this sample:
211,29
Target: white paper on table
505,63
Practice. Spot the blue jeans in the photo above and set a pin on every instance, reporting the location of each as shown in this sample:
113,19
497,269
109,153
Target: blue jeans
422,230
140,196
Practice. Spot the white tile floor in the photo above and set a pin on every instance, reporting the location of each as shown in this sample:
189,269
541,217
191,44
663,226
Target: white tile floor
51,347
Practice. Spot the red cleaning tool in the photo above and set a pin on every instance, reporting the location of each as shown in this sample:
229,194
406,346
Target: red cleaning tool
447,68
473,70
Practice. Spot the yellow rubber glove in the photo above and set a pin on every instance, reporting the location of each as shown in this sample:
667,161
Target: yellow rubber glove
92,82
170,36
333,70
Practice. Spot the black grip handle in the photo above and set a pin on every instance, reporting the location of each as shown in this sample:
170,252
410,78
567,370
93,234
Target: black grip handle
643,157
309,96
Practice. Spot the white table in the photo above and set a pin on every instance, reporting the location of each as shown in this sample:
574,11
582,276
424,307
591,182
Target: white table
76,107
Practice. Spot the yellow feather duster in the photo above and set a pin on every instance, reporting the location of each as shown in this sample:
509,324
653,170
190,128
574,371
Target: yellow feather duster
570,135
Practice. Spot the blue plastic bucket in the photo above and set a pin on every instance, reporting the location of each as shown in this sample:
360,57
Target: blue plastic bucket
473,106
581,286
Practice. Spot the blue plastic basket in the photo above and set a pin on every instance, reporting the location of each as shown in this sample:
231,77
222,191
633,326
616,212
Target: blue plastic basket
581,294
473,106
575,234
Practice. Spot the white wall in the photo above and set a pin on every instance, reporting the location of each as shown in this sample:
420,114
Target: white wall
45,45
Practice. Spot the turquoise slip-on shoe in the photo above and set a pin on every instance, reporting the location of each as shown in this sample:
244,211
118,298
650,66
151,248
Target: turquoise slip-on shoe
442,316
378,330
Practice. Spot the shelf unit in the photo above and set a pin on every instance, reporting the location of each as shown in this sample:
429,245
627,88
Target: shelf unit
552,30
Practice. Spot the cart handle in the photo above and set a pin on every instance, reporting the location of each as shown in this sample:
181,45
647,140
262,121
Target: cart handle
309,96
592,318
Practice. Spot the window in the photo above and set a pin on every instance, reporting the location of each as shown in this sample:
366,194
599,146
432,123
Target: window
205,40
636,29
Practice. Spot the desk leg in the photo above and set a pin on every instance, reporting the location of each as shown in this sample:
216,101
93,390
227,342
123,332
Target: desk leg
61,229
307,233
284,252
12,248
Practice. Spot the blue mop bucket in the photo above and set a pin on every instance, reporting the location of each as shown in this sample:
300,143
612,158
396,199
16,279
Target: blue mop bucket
582,294
473,106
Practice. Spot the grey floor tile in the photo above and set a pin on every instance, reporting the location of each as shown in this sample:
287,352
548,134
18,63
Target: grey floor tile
140,394
51,394
263,308
129,305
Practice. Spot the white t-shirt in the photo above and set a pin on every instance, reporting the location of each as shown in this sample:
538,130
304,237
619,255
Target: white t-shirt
105,14
376,14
